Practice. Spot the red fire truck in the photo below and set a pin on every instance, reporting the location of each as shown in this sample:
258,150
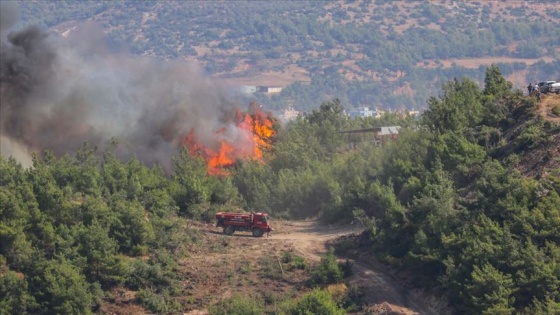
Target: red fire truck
257,223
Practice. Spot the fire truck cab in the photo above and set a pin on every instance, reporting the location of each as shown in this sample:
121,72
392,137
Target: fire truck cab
257,222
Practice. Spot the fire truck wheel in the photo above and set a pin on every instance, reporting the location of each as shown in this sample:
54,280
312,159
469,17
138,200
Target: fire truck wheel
229,230
257,232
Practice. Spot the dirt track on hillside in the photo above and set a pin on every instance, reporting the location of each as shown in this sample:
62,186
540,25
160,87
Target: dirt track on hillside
382,293
546,106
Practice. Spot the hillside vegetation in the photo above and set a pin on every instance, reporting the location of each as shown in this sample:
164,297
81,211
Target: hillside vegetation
446,203
392,54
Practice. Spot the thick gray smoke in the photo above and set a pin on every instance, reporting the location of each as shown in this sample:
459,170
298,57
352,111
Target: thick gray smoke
56,93
9,15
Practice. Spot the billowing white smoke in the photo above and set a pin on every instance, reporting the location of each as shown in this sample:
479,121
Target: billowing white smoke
56,93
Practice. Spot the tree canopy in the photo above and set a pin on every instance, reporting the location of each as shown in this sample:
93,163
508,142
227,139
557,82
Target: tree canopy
445,201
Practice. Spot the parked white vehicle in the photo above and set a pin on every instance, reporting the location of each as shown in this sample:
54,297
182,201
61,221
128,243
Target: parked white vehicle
554,87
549,87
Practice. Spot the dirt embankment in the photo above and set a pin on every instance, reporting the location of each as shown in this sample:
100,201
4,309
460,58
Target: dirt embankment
381,292
547,105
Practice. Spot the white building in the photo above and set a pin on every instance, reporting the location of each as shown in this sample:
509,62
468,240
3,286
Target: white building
269,89
365,112
248,89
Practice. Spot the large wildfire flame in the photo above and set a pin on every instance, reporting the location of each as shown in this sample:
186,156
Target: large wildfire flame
256,131
58,94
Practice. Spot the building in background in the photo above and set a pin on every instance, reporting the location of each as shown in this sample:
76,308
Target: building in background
381,135
248,89
269,89
366,112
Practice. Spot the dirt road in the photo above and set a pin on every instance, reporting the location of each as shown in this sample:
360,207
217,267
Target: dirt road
382,293
309,237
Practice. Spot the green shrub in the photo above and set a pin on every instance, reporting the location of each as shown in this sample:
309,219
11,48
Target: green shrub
139,250
149,274
315,302
172,236
299,263
328,271
159,303
60,288
270,298
287,257
294,261
530,137
556,110
14,292
237,305
270,268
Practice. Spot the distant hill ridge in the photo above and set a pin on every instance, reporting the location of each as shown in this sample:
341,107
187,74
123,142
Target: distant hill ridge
350,50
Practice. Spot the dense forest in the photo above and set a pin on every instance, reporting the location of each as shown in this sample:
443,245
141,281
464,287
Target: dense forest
444,202
390,54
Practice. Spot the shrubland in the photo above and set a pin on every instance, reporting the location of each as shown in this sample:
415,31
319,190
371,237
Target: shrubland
446,202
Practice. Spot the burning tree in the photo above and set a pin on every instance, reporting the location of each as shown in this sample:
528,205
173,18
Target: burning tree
249,137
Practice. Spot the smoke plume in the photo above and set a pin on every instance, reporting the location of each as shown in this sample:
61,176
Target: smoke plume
57,93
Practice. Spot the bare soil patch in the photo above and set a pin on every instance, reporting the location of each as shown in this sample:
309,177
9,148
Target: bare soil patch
221,266
382,293
547,105
290,74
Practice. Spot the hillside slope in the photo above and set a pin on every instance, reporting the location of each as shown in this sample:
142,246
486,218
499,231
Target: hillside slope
350,50
544,155
221,266
534,137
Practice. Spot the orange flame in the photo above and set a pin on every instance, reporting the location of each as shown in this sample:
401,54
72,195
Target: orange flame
257,132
